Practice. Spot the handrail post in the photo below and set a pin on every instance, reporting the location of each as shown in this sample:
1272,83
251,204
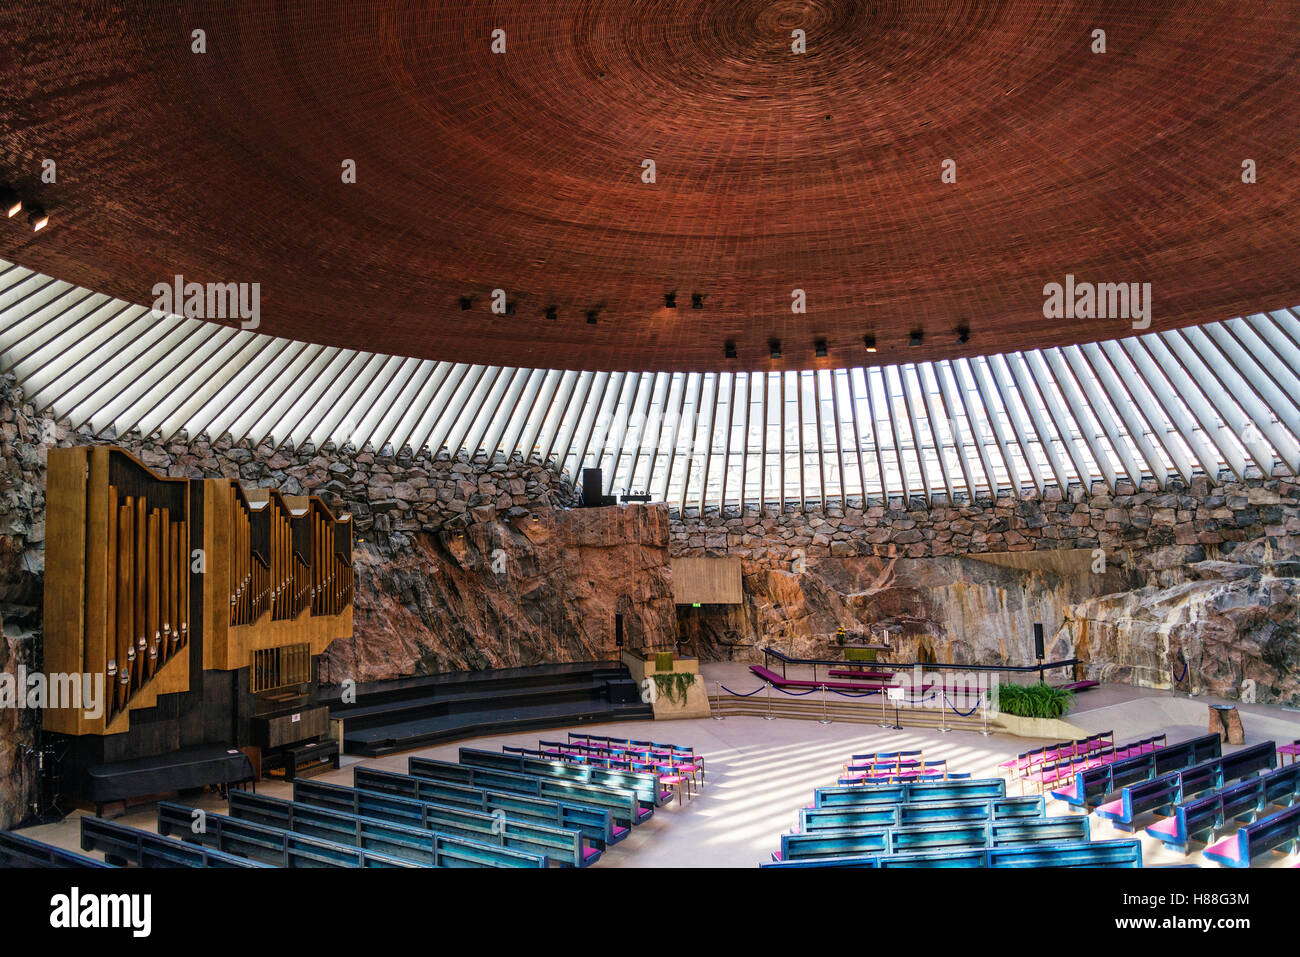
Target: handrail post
943,713
719,716
825,719
768,716
985,709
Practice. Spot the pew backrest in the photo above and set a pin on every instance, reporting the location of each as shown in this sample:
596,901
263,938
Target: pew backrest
146,849
19,850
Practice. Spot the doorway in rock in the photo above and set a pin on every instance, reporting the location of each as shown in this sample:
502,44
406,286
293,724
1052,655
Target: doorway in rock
715,633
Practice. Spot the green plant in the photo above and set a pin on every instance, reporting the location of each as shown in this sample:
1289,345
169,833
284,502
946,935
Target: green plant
1034,701
673,685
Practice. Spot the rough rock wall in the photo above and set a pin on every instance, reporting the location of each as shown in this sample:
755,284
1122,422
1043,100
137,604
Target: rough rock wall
1125,582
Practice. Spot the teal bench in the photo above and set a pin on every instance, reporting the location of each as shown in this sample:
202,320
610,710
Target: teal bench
19,850
123,845
853,842
645,785
1126,853
595,823
996,809
1279,831
271,846
914,792
621,803
560,845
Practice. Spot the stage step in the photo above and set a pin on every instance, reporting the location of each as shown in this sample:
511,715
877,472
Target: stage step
408,713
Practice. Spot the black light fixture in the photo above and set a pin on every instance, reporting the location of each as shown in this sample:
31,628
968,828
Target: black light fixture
38,219
819,345
730,349
670,300
697,300
466,302
870,342
963,335
774,348
510,309
916,337
10,202
591,317
551,312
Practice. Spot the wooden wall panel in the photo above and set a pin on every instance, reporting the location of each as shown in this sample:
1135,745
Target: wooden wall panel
707,581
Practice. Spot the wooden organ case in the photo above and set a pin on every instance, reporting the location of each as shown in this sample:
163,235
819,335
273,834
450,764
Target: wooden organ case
204,606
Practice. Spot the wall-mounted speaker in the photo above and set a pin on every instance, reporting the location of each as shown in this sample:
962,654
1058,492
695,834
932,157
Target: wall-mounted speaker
618,629
592,484
1039,651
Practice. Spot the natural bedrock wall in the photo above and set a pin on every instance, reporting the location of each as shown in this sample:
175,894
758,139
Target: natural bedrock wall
1146,586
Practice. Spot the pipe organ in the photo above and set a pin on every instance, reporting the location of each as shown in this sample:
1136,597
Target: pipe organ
281,566
140,566
117,586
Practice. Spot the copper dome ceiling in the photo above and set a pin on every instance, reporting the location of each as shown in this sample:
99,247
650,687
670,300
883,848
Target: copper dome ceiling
775,170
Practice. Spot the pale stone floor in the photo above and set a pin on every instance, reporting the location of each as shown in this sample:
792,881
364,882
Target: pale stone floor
760,772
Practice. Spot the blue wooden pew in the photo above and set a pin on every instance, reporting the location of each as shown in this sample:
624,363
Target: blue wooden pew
869,861
1161,794
1280,830
266,846
929,812
1125,853
123,845
645,785
19,850
914,792
1092,786
621,803
595,823
1039,831
997,809
563,846
1205,814
1200,817
857,842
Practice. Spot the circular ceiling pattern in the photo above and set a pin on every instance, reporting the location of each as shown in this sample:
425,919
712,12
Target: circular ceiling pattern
775,169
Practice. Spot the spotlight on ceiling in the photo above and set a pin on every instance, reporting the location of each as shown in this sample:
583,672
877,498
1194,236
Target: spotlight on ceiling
963,334
10,202
916,337
774,348
551,312
510,309
869,342
670,300
697,300
730,349
820,346
591,317
466,302
38,218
